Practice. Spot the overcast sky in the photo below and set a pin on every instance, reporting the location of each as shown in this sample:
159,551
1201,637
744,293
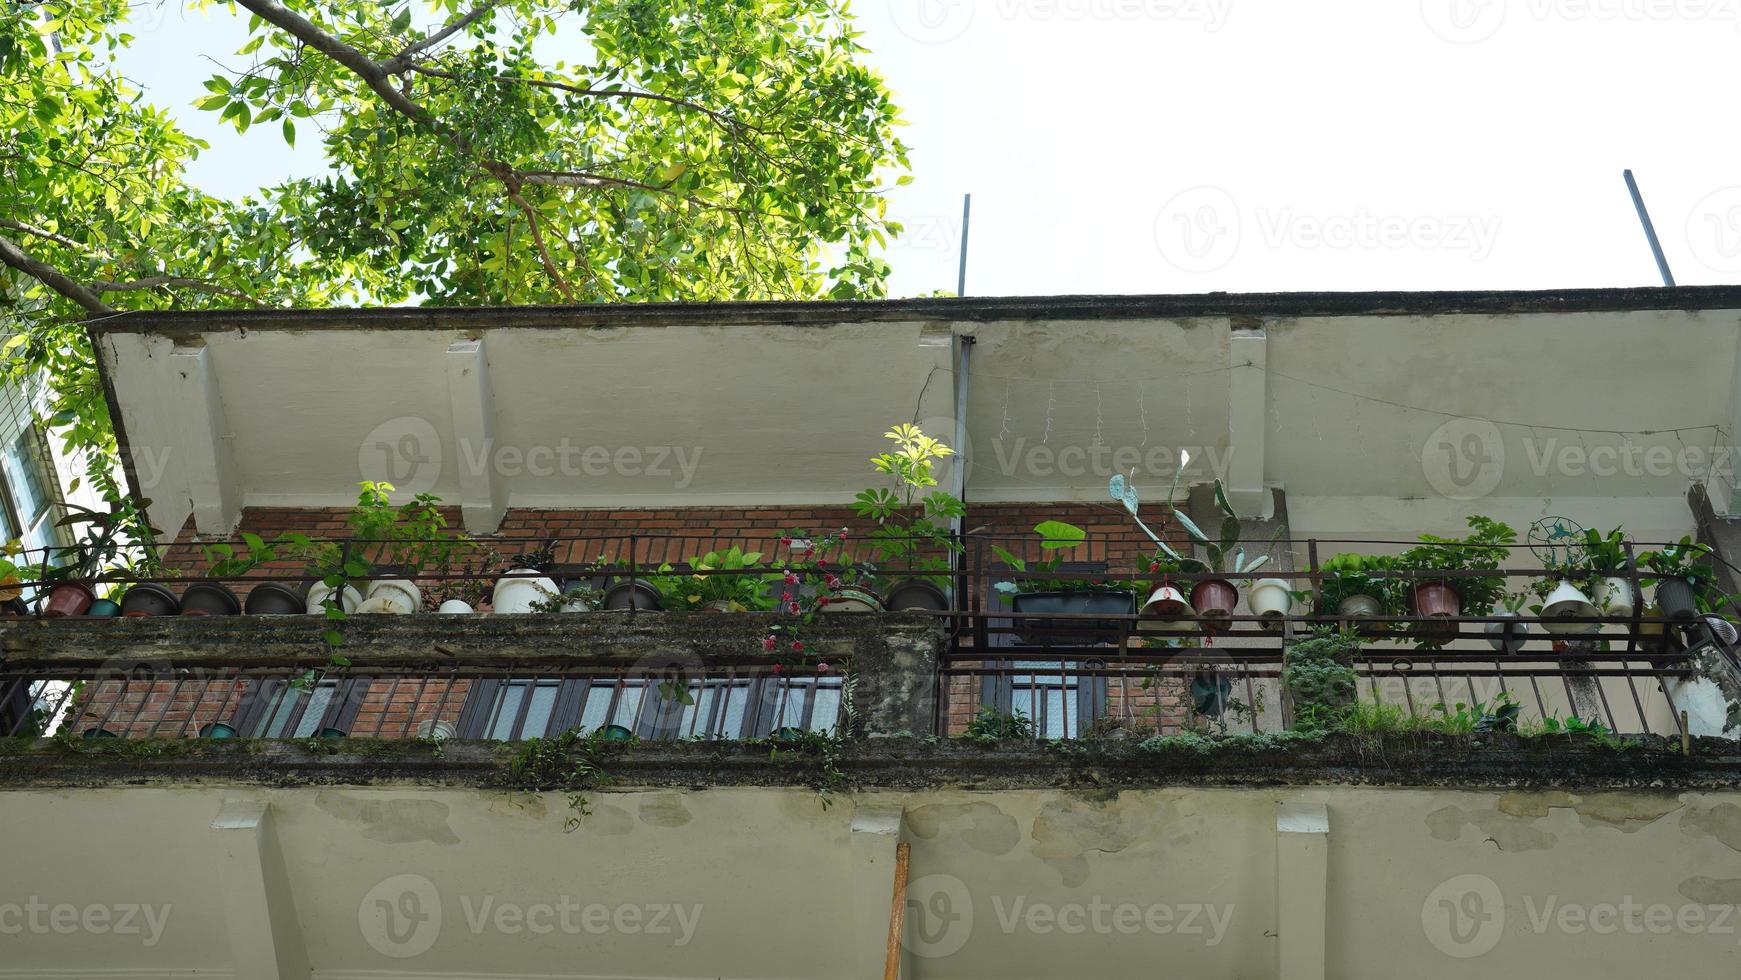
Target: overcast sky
1138,146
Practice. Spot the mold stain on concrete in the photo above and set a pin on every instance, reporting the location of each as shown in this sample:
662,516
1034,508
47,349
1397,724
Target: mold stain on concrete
1712,891
1722,821
664,810
1511,824
1067,830
391,821
607,820
981,826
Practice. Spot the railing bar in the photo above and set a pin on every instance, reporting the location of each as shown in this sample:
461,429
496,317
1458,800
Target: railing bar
441,706
115,702
167,704
198,702
1602,694
417,705
1637,703
386,705
1541,706
517,731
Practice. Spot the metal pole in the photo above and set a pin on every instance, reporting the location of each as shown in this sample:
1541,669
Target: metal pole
961,276
1668,278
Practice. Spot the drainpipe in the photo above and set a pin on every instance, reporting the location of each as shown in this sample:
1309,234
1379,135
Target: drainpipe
963,352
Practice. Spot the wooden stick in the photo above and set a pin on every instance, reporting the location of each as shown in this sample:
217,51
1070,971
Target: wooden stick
897,915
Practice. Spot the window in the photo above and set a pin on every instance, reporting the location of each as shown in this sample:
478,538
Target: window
727,707
279,709
27,500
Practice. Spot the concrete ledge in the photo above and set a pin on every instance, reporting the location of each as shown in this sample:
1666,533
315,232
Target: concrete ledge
1424,761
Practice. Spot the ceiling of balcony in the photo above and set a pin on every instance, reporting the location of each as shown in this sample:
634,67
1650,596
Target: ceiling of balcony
1366,417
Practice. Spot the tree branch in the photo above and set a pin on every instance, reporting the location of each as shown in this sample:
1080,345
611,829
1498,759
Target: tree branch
538,241
42,233
53,278
399,62
368,69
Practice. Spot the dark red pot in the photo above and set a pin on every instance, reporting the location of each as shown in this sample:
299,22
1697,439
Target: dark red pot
1442,604
1214,599
68,599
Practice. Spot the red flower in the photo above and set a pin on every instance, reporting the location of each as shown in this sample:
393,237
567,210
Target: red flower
768,643
822,668
1154,566
793,609
791,579
776,668
786,542
786,596
797,646
822,600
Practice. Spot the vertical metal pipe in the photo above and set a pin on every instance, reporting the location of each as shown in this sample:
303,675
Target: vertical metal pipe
961,274
1668,278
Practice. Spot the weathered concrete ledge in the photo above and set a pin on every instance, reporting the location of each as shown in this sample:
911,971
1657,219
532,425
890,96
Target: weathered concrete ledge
555,639
1426,761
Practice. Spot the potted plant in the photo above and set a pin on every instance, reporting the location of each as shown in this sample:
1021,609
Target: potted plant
732,580
1437,599
264,599
1042,591
1511,635
1357,587
912,531
522,588
70,591
1224,559
1685,580
1605,557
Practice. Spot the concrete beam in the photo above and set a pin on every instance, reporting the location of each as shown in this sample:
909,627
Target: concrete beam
265,937
1302,888
213,484
483,497
1248,418
876,832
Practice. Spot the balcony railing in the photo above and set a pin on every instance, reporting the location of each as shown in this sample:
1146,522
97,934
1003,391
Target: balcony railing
1060,674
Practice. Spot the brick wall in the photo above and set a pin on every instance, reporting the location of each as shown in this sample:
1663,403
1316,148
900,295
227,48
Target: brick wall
673,534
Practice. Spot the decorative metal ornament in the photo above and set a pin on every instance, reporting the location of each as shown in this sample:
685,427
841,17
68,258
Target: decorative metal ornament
1557,542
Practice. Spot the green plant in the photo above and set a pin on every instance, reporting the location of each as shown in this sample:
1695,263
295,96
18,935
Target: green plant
1378,718
1690,562
1319,676
570,762
1224,555
1574,726
1347,574
1484,549
1056,538
992,725
733,576
1497,715
93,549
912,518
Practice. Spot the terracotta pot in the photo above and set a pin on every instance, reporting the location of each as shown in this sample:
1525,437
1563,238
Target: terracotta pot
150,599
68,599
1442,604
916,594
1214,599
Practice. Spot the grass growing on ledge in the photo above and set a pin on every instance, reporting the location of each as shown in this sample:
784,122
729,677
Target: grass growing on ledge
571,763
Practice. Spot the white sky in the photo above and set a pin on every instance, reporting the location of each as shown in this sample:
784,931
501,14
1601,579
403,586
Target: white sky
1154,146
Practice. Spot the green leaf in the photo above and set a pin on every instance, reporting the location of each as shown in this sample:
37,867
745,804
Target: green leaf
289,132
1056,535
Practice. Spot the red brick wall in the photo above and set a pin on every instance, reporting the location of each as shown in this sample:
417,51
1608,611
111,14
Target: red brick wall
673,534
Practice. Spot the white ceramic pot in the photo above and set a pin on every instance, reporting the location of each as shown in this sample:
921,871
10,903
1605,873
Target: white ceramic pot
456,607
1167,602
577,604
404,596
518,590
1615,596
318,592
1565,608
1360,607
1270,598
380,606
1508,637
851,599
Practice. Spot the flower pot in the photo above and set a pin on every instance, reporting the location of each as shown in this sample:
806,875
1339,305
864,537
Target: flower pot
716,606
381,605
456,607
104,609
853,599
1360,607
633,594
1072,632
1615,596
275,599
217,729
916,594
68,599
319,591
402,595
150,599
1441,604
1567,610
520,590
1508,637
1648,628
1214,599
1271,599
210,599
575,603
1167,605
1675,597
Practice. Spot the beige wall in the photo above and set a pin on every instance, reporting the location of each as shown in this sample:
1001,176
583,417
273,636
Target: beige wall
1179,882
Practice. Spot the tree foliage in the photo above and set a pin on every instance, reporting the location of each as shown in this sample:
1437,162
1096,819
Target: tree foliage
503,151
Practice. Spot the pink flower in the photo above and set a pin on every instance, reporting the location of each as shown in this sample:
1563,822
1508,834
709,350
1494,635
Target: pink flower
822,668
791,578
768,643
822,600
793,609
786,596
777,668
834,581
786,541
797,646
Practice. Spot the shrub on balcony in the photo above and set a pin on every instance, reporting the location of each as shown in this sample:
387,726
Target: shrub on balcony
1438,597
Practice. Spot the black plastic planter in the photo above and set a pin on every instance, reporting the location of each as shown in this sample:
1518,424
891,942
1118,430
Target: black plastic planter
209,599
1674,596
633,594
1072,632
276,599
915,594
150,599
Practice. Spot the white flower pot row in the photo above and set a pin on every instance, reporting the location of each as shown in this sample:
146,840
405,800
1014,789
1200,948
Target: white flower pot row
1567,606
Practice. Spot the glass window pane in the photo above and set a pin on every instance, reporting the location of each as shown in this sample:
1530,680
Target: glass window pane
508,699
539,711
318,701
827,710
25,482
592,711
278,715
